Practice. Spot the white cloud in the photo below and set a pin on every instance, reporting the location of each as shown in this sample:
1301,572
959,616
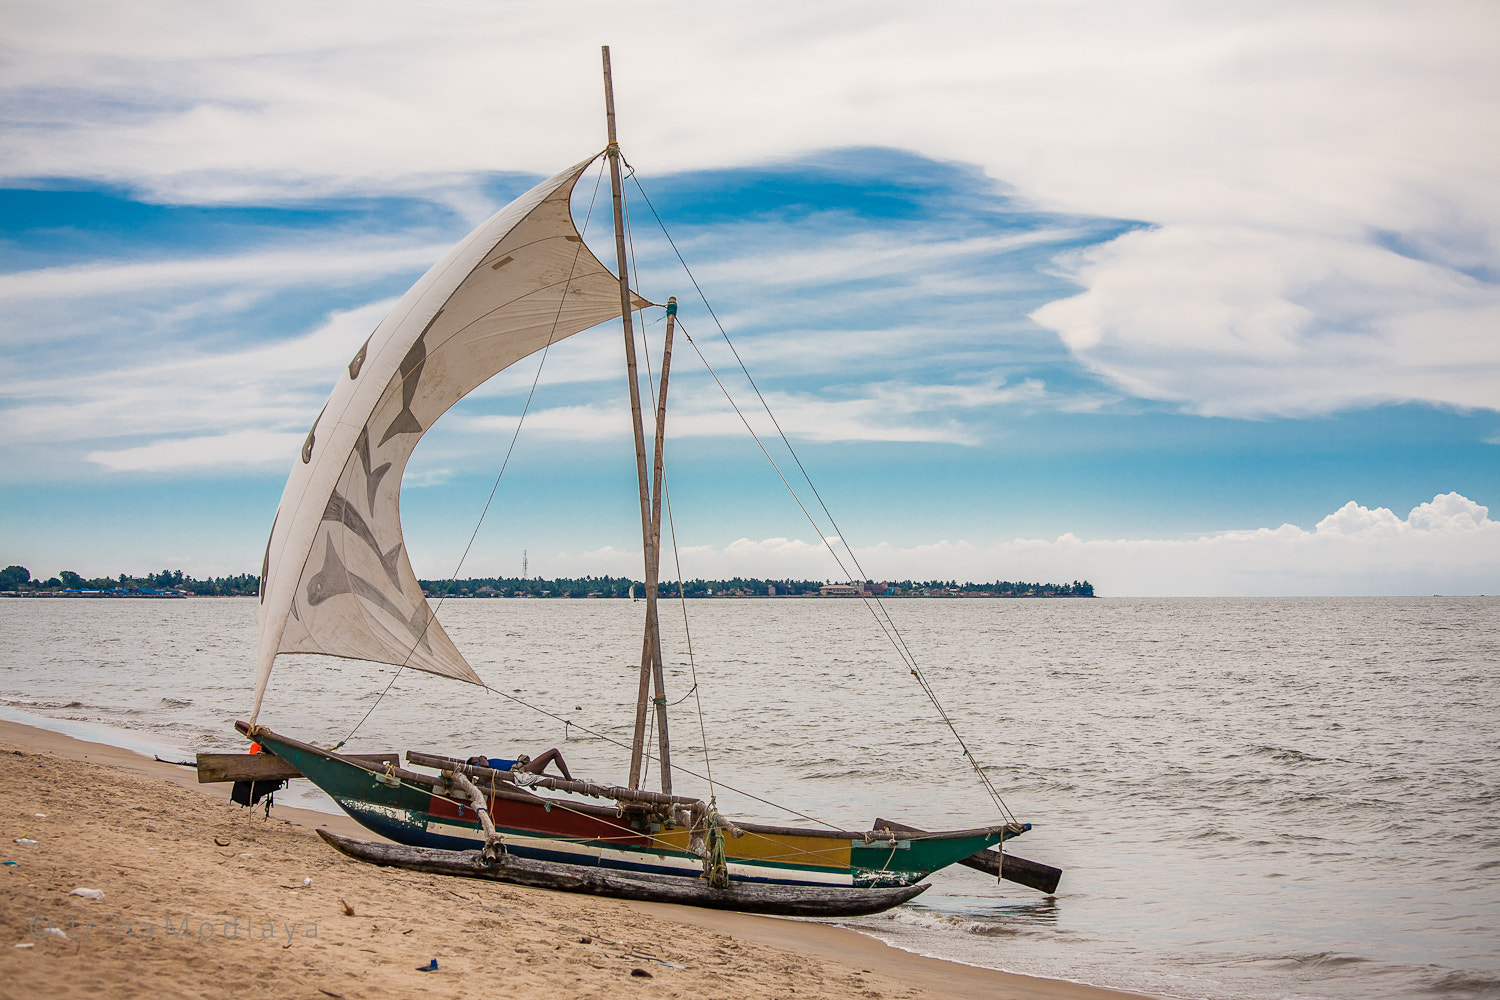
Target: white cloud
419,480
573,423
883,411
864,256
1278,148
246,409
237,450
1448,545
1235,321
1445,514
266,271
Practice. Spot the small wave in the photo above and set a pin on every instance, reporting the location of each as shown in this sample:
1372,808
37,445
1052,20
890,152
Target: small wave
1007,922
1463,986
993,930
176,702
1287,754
1321,960
34,705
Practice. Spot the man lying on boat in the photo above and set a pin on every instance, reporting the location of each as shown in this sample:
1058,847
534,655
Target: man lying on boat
525,765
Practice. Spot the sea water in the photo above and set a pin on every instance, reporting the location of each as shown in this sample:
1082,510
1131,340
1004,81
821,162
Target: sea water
1248,797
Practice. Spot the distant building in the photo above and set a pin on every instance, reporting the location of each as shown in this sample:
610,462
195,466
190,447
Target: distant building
839,590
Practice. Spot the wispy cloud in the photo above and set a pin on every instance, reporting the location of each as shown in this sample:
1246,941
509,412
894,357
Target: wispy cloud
245,409
927,254
266,271
237,450
885,411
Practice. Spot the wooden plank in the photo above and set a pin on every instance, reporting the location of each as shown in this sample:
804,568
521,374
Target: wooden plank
689,890
1032,874
265,766
243,767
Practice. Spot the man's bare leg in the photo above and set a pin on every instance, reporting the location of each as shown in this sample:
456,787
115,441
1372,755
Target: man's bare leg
539,764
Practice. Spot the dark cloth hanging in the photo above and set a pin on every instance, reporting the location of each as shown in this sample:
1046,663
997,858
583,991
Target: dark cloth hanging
249,793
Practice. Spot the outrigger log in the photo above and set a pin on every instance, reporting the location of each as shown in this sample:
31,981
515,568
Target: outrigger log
746,897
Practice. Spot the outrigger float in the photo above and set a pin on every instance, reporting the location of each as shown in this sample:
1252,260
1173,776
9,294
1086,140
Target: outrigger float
337,581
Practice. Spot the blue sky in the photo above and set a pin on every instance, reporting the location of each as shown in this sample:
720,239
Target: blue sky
1177,302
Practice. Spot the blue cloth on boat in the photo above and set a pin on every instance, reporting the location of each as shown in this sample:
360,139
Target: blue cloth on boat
501,764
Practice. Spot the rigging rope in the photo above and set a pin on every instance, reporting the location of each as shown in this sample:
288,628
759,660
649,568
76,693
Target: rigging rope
666,496
676,767
556,319
878,610
882,616
884,623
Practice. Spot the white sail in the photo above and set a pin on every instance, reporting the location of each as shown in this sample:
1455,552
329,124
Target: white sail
336,578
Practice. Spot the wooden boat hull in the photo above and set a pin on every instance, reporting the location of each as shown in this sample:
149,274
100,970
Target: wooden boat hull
397,805
746,897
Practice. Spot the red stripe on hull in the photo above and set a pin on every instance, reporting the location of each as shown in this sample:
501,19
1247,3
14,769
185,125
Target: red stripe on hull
556,822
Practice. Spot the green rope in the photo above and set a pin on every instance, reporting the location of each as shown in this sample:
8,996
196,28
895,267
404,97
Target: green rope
715,868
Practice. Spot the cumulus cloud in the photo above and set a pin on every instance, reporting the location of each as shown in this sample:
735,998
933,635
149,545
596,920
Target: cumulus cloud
1447,545
1242,322
1445,514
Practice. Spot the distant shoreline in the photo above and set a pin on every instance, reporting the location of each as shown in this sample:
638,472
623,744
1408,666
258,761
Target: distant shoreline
774,597
105,595
109,595
624,587
17,581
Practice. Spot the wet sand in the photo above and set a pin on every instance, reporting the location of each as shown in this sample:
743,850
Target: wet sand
203,898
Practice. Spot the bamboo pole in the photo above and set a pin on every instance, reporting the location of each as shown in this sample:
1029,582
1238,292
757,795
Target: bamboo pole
637,746
657,491
593,788
476,797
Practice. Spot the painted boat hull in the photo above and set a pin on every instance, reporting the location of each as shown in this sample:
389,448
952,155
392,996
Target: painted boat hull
560,831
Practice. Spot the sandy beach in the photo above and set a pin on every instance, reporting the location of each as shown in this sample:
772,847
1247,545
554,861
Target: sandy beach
202,898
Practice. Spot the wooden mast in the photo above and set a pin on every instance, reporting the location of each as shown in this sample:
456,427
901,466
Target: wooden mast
652,640
658,491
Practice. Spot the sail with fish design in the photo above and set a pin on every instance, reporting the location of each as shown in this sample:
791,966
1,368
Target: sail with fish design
336,578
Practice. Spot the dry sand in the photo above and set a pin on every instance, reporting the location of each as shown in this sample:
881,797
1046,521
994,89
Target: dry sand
205,899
